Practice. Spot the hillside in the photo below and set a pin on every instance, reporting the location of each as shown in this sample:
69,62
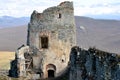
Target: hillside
12,38
103,34
8,21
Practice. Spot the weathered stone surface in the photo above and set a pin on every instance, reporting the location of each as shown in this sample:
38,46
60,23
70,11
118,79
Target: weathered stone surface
51,35
57,24
93,64
13,72
18,67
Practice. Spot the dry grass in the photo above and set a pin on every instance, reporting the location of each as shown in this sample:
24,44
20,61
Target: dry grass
5,58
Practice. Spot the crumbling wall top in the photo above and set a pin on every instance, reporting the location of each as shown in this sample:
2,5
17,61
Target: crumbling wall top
65,4
64,7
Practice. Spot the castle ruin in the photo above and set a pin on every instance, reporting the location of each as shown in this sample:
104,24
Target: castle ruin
51,50
51,35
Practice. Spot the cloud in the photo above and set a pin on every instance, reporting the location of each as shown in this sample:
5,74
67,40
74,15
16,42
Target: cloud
82,7
20,8
98,9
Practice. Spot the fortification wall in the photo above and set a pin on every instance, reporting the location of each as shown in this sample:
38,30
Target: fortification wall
94,64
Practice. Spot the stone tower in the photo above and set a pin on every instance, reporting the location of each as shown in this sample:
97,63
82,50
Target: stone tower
51,35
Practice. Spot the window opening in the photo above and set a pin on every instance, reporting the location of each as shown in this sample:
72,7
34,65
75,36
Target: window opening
59,15
44,42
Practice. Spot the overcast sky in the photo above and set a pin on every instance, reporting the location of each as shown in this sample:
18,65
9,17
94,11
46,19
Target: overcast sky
20,8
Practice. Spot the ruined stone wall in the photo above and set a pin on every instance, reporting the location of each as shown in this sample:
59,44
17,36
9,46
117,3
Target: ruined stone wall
93,64
18,65
57,24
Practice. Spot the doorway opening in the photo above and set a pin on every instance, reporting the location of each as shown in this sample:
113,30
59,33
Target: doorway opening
51,73
51,70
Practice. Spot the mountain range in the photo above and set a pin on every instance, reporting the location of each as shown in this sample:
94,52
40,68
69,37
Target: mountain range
8,21
100,33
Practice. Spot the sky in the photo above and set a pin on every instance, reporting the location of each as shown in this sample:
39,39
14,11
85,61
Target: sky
92,8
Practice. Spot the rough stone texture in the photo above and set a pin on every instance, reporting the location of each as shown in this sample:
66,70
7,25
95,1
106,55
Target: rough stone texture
13,72
94,64
51,35
18,67
57,24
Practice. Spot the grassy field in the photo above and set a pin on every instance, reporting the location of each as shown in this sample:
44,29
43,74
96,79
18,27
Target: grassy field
5,58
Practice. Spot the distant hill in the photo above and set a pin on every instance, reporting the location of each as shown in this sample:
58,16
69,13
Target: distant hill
8,21
12,38
103,34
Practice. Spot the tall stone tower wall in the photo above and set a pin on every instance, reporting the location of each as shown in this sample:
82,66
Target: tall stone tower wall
59,20
51,35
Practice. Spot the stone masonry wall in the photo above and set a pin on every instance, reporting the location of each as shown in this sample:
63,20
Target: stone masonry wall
58,25
94,64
